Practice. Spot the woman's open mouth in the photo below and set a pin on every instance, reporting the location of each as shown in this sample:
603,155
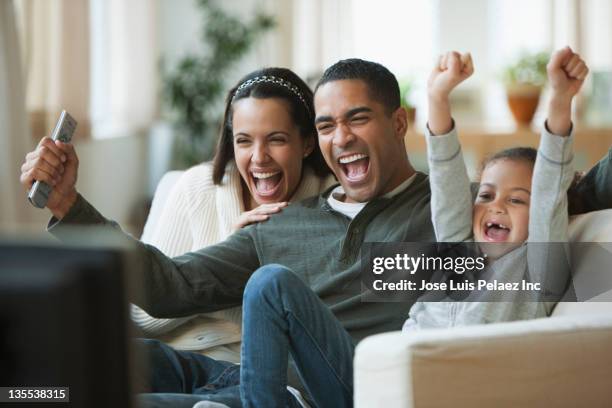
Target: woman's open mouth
496,232
355,167
267,183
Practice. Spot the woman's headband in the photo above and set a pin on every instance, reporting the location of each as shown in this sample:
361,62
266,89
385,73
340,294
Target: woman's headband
272,80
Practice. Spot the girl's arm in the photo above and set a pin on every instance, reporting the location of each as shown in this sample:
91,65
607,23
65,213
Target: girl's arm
552,175
553,171
451,200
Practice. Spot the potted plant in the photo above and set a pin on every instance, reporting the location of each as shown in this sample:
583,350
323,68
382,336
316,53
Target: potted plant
524,81
193,90
406,99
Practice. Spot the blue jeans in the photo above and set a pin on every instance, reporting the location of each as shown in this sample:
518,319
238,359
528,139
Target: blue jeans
179,379
281,315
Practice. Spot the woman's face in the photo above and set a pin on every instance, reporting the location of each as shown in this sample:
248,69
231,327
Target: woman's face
268,149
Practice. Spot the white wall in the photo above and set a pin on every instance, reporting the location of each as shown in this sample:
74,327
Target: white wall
113,175
179,32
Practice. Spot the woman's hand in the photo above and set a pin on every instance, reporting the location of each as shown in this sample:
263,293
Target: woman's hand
56,164
259,214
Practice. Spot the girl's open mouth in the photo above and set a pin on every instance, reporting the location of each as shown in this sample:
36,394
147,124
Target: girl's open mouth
496,232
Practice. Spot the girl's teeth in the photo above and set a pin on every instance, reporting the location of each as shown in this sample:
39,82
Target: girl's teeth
265,175
490,224
352,158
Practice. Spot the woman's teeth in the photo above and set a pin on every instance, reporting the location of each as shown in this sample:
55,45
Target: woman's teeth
352,158
265,175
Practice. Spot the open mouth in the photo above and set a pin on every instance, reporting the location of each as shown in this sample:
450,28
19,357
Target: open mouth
355,166
496,232
267,183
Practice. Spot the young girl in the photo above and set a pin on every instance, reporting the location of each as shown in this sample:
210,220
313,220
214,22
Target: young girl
522,196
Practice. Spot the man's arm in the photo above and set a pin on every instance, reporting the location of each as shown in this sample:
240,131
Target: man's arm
594,191
209,279
451,201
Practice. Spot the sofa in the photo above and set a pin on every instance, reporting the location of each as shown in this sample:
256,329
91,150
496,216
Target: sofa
562,360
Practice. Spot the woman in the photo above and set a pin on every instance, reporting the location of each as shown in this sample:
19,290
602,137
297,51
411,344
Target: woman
267,155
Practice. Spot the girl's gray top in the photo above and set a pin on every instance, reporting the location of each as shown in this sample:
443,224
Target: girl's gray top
451,208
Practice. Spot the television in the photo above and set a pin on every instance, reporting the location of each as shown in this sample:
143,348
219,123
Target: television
64,322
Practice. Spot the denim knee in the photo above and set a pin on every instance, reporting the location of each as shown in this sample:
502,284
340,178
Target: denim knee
266,278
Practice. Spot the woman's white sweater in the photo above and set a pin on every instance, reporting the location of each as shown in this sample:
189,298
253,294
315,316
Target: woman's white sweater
196,214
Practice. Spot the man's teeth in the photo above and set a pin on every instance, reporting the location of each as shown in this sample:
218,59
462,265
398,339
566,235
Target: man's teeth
265,175
490,224
352,158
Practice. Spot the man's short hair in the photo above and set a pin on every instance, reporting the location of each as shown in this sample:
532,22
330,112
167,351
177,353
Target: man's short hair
382,84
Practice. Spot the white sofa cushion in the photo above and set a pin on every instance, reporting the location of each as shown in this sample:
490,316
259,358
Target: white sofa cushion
593,227
557,361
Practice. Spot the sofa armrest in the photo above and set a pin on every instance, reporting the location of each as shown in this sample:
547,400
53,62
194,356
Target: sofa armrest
558,361
165,185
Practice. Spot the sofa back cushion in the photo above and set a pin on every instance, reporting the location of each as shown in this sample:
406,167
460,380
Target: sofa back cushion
594,227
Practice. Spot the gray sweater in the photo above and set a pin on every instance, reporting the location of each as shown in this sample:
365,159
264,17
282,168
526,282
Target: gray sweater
451,207
318,243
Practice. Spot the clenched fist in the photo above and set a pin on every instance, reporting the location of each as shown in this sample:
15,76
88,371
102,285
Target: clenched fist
566,73
56,164
451,69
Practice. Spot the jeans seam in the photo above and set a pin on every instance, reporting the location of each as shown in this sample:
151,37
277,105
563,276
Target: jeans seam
219,381
347,388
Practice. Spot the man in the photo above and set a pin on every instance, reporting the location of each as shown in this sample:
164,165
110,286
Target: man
380,198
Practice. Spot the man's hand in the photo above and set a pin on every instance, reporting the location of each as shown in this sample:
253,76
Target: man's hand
566,74
56,164
451,69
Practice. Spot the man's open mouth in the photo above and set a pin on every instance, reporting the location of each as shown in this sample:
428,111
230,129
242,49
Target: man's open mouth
267,183
355,166
496,232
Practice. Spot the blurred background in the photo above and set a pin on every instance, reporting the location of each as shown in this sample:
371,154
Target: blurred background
146,79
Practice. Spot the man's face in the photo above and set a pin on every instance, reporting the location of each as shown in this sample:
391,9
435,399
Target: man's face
361,142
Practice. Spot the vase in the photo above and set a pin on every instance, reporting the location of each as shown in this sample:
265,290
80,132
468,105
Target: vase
523,100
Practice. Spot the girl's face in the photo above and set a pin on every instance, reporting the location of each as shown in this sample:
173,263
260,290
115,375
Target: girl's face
268,149
501,209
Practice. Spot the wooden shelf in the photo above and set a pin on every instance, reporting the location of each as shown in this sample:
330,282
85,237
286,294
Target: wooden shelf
590,144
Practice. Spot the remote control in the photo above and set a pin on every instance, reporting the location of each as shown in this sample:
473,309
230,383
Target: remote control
63,131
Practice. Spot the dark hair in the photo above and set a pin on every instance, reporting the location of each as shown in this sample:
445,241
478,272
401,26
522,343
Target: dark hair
528,155
524,154
290,88
382,84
